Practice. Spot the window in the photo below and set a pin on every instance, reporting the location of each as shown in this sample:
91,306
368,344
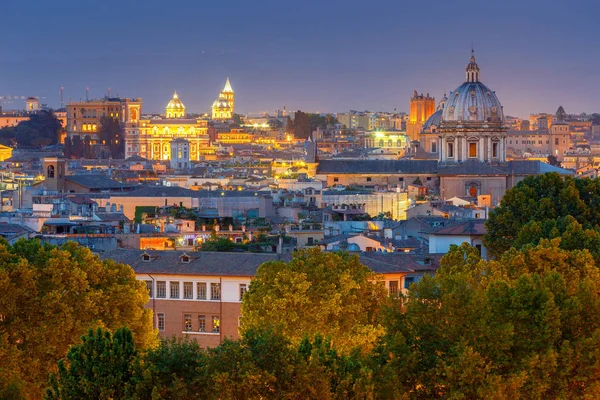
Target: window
428,178
174,290
393,288
215,291
149,288
368,179
310,241
185,259
161,321
556,141
472,150
433,147
243,290
188,290
408,280
216,326
336,179
201,323
401,179
145,257
478,247
51,169
495,149
161,289
187,322
450,150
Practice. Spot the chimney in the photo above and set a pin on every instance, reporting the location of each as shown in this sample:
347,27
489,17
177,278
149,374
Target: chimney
280,246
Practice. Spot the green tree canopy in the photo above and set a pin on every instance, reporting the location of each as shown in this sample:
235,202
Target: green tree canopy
101,367
51,296
524,326
537,201
41,129
317,292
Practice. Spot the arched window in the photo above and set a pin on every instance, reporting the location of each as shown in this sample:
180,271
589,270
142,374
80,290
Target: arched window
50,171
390,143
381,143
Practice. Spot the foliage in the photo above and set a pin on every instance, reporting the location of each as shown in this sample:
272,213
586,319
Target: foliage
41,129
538,201
101,367
111,136
141,210
51,296
552,160
525,326
217,244
317,292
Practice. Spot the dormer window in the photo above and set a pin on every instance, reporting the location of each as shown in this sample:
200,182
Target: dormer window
145,257
185,259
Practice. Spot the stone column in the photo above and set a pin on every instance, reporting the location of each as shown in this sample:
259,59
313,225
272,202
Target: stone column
489,148
441,149
464,156
481,149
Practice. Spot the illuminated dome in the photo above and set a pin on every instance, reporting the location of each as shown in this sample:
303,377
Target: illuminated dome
175,108
472,101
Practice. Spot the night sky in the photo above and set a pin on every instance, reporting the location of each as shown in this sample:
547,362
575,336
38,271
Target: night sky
318,56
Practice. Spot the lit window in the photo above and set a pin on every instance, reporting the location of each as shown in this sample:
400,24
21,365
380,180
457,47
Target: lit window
215,291
243,290
472,150
161,321
161,289
216,324
201,286
201,323
187,322
188,290
174,290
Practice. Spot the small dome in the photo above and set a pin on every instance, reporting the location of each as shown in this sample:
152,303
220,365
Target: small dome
433,120
175,103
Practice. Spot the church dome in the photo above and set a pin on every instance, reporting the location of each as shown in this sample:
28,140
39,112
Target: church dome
472,101
175,108
175,103
433,120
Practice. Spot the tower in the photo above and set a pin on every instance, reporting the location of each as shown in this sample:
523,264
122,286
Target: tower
421,108
55,170
223,106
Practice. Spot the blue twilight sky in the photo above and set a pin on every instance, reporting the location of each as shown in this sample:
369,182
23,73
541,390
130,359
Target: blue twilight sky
327,55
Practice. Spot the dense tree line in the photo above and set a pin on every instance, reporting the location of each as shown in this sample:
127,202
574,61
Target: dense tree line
40,130
525,326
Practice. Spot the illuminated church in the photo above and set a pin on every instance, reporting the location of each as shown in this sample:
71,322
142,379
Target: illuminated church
151,138
224,106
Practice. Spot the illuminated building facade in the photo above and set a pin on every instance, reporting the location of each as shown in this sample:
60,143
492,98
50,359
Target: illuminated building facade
421,108
151,138
390,141
224,106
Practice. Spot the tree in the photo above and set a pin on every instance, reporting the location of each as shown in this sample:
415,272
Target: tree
302,125
542,198
41,129
524,326
217,244
111,136
552,160
101,367
317,292
52,295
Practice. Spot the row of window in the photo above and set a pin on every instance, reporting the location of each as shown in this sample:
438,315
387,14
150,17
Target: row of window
556,142
189,326
369,179
200,293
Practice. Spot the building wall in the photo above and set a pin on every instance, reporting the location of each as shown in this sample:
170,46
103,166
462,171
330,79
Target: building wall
366,179
228,309
440,244
395,203
130,203
458,186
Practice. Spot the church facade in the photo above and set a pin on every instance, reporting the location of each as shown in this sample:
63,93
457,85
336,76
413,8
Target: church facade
151,138
468,135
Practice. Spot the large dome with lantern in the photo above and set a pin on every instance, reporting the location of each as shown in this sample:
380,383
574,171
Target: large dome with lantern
472,101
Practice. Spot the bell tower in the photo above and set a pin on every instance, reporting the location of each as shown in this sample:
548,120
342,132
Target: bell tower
55,170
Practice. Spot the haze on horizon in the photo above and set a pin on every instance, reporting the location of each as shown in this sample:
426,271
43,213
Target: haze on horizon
329,56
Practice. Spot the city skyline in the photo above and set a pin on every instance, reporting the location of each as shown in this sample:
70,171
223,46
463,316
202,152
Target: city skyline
327,58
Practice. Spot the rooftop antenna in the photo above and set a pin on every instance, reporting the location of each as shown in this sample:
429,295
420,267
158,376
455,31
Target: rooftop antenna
62,103
87,91
108,92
